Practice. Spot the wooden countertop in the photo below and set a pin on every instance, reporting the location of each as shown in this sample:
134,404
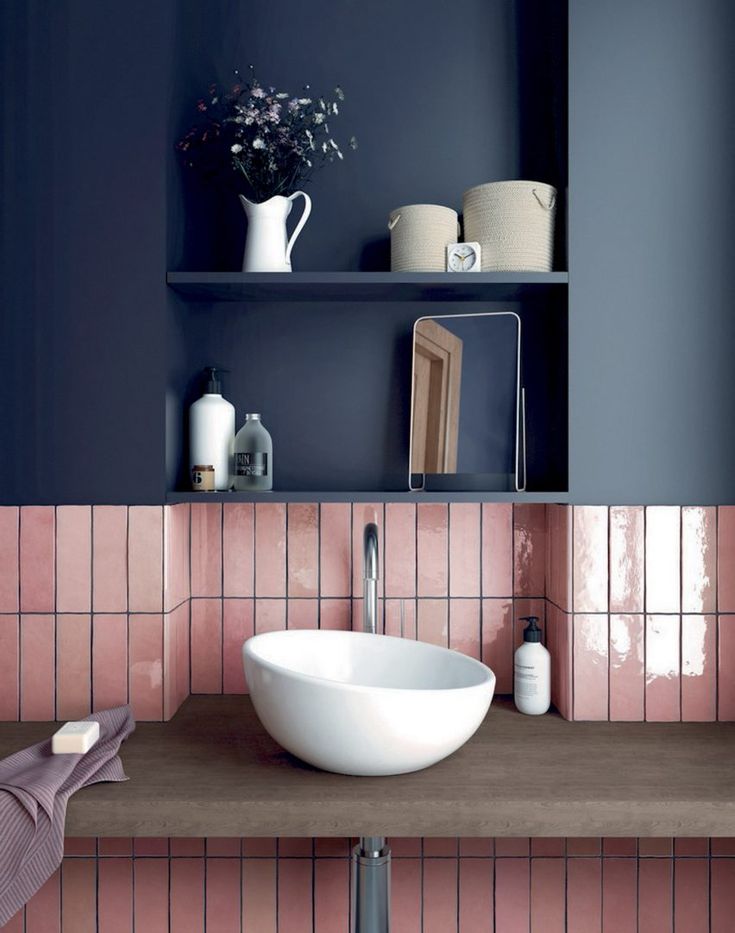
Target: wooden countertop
213,771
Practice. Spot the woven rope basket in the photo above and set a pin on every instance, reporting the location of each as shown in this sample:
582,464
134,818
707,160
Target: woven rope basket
513,221
419,236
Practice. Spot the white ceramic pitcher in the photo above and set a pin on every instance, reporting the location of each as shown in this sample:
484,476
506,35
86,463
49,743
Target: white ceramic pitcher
267,247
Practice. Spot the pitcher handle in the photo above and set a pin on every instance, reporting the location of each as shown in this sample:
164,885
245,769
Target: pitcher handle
300,224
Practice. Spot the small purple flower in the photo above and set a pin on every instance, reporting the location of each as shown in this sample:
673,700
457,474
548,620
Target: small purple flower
257,92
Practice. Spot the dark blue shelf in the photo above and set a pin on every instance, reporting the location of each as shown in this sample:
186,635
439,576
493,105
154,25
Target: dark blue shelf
367,496
364,286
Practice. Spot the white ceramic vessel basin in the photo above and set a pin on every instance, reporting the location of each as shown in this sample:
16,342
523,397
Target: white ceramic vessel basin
365,704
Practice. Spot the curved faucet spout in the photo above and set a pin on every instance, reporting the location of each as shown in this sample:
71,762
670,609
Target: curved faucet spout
371,572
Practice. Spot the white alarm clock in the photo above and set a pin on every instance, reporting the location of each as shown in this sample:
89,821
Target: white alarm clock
464,257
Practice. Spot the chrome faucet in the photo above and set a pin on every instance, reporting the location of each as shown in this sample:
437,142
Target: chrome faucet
371,573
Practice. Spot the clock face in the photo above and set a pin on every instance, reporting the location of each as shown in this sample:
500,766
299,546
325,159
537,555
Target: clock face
462,258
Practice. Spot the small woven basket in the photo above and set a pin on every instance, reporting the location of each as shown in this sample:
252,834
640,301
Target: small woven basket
513,221
419,236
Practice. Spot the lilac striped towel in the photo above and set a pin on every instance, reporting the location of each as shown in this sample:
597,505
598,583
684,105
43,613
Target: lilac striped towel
34,789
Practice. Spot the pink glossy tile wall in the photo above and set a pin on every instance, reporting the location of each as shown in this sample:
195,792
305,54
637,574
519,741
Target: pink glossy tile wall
439,886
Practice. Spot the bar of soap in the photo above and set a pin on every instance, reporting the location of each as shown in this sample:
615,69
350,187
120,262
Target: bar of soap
75,738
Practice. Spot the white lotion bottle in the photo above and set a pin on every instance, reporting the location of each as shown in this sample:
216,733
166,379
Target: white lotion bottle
253,463
212,431
532,672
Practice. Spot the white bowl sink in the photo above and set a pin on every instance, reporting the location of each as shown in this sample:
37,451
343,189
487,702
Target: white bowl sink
365,704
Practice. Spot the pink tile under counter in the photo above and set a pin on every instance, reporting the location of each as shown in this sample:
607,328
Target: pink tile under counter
73,666
43,911
400,550
238,624
206,646
663,639
655,895
619,895
37,667
9,531
115,895
187,895
295,904
259,896
303,549
529,550
146,666
110,558
331,895
73,558
406,896
699,668
476,895
145,558
109,660
9,668
150,894
79,895
691,896
722,903
548,895
37,558
432,555
335,549
464,549
699,559
627,559
627,667
439,895
591,667
270,549
663,559
238,549
584,895
497,550
590,559
512,895
222,901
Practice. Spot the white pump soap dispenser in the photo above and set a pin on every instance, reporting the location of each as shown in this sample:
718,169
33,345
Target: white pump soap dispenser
532,672
212,431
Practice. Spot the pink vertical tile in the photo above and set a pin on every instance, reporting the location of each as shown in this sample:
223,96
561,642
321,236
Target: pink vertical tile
477,846
406,846
109,661
622,846
114,845
115,895
691,846
559,556
16,924
43,911
145,685
206,549
691,896
270,549
177,551
150,899
362,514
441,846
303,613
512,895
655,847
619,895
699,559
440,895
238,624
187,895
9,526
9,667
626,668
206,646
259,896
722,845
547,895
584,845
529,547
627,558
590,558
110,558
145,558
431,553
590,667
464,549
726,667
332,846
497,550
698,668
548,847
663,645
294,895
37,668
655,900
497,641
336,614
476,895
183,648
73,666
335,548
464,626
663,559
223,895
259,847
79,895
400,550
303,549
559,638
238,549
73,558
512,846
80,845
270,615
295,847
406,896
151,846
37,580
331,895
723,894
432,622
400,625
171,697
726,558
584,895
192,846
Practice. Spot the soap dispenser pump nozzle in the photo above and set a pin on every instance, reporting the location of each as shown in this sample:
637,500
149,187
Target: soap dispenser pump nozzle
532,632
213,382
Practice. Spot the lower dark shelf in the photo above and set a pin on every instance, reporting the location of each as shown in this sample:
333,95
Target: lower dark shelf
366,496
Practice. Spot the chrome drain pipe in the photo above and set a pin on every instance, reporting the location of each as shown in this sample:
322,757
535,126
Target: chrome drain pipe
370,901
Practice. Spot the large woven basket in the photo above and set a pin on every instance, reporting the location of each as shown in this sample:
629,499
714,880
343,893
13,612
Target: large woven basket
419,236
513,221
